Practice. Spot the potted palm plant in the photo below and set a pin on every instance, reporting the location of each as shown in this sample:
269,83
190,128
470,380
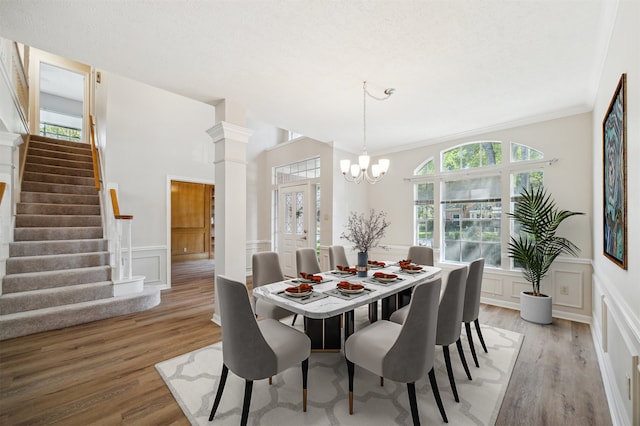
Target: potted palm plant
536,246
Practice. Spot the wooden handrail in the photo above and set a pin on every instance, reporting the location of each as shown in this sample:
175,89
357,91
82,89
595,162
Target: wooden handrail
116,207
3,185
94,154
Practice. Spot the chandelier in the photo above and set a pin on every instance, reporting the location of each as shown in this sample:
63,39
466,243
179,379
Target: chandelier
360,171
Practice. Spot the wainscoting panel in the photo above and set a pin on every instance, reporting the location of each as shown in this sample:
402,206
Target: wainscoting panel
567,290
617,340
152,263
492,286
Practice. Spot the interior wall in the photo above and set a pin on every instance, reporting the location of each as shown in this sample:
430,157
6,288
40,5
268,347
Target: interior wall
616,309
152,134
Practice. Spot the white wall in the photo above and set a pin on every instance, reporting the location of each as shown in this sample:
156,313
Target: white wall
152,135
616,309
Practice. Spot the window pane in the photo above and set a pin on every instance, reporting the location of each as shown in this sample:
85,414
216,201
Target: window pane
423,214
472,209
524,153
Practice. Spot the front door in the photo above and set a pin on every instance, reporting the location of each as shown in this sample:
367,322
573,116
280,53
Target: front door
294,224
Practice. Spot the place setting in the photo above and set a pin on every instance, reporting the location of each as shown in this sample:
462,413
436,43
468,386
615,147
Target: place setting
312,279
343,271
382,278
302,293
348,290
407,267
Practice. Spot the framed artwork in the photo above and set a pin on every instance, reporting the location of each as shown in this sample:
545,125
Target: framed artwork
614,164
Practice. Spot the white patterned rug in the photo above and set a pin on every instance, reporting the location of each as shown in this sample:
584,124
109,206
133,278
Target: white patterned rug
193,380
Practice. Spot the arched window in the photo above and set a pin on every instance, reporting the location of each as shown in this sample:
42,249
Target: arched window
472,155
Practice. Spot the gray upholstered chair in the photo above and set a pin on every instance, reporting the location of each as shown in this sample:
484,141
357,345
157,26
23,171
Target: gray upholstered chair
403,353
255,350
421,255
472,304
266,270
337,256
449,320
307,261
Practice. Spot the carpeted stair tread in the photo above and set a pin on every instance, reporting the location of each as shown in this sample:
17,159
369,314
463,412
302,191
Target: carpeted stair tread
51,221
58,188
57,142
40,299
53,279
58,209
60,233
43,197
57,178
42,248
56,262
72,164
29,322
60,155
78,148
55,169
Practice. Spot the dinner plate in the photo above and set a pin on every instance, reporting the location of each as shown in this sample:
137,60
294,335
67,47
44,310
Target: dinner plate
306,293
385,280
346,291
412,271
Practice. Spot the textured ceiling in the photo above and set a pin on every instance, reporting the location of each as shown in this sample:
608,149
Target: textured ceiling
457,66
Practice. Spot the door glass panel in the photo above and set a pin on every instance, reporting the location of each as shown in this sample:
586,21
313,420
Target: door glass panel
300,213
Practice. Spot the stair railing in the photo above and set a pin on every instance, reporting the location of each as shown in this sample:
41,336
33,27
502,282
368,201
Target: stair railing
94,154
122,221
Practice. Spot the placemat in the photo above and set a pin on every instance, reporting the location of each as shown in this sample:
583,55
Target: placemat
337,293
402,271
303,300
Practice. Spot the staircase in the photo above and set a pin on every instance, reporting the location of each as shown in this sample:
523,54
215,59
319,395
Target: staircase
58,272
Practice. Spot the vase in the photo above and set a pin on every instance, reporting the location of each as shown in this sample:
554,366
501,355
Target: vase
536,309
362,266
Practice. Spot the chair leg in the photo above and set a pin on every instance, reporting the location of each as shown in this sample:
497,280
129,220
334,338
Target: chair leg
411,388
350,369
223,380
305,369
452,381
463,358
248,387
477,323
436,394
467,327
295,316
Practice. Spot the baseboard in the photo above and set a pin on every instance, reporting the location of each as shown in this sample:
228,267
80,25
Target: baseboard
555,314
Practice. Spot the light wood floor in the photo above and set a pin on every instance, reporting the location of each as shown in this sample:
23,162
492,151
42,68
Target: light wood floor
103,372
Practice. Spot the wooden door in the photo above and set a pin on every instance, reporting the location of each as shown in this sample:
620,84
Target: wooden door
191,228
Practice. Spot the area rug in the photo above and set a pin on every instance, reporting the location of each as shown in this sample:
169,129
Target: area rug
193,380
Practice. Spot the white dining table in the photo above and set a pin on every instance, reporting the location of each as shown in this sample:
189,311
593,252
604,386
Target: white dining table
325,305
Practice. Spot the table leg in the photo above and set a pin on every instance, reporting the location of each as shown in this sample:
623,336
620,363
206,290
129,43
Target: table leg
349,326
324,333
373,311
389,305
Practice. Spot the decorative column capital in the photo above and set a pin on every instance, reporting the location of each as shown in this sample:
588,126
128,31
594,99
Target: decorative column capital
228,131
10,139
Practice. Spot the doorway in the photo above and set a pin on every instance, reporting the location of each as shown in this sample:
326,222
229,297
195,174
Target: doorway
192,221
59,97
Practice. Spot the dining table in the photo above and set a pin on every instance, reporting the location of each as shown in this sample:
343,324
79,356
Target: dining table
323,306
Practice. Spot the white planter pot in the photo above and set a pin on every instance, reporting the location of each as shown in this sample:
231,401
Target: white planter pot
535,309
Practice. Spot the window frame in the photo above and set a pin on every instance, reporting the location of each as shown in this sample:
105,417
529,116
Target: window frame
505,171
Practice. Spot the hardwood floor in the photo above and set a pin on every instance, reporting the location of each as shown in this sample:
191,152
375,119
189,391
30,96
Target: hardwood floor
103,372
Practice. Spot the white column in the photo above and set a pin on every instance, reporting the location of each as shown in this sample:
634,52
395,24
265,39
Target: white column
8,174
230,143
